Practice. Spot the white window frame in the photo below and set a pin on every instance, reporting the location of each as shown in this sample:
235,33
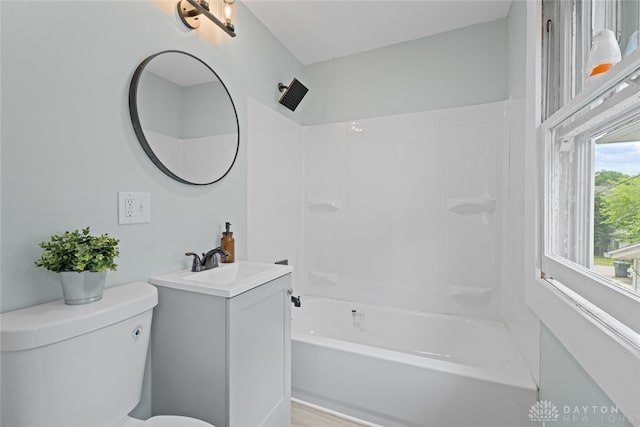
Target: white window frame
620,303
564,80
597,321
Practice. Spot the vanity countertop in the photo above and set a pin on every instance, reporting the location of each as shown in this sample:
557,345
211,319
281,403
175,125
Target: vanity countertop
227,280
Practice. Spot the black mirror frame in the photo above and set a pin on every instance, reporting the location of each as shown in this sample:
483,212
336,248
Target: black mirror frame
135,118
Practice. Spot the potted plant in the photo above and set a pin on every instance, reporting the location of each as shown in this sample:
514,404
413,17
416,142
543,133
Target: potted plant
82,261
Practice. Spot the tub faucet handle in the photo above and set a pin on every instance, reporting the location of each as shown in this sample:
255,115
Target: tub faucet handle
296,301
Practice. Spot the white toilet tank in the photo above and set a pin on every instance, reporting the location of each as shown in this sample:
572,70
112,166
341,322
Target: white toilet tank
76,365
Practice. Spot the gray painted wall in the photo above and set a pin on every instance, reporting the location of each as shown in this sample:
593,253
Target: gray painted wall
207,111
563,382
160,104
517,48
184,112
460,67
68,145
65,172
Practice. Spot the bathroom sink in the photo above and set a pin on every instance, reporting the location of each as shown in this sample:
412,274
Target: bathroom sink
227,280
221,276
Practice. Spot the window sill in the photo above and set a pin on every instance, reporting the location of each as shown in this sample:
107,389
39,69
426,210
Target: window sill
613,303
607,349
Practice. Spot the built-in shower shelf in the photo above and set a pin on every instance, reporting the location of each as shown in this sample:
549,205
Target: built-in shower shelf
324,205
323,278
469,291
471,206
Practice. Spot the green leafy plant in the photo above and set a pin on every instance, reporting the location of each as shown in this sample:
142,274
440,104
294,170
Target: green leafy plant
79,251
621,209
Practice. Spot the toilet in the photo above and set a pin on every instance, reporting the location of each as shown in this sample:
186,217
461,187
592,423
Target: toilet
79,365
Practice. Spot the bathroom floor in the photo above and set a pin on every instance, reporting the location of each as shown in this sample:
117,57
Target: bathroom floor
304,416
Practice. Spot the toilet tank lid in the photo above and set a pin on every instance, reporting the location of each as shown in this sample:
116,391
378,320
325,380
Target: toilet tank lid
55,321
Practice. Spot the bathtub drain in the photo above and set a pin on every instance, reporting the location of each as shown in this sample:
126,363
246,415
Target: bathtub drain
358,320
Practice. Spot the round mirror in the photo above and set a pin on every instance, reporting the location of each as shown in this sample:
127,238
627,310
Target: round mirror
184,117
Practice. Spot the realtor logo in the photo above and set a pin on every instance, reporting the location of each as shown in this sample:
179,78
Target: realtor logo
543,410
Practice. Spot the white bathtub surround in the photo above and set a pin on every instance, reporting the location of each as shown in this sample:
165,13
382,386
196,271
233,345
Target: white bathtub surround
516,254
274,188
401,368
404,210
189,158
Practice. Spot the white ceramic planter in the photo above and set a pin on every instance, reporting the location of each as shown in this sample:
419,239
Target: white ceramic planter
82,287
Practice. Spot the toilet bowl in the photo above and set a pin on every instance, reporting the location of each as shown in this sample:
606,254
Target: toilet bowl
79,365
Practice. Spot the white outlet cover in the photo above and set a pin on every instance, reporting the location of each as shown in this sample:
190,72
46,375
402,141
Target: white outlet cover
139,210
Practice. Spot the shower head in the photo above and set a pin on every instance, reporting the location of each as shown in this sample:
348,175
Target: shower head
293,94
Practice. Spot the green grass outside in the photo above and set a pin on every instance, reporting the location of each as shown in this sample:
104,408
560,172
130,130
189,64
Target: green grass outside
598,260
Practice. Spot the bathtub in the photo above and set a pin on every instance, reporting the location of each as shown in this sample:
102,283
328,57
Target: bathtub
392,367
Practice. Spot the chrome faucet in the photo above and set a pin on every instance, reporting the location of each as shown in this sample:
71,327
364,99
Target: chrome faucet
208,260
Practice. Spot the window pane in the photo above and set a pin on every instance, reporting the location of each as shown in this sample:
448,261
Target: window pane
570,222
628,14
593,186
616,205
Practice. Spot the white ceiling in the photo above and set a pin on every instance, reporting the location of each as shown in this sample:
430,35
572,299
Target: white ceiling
318,30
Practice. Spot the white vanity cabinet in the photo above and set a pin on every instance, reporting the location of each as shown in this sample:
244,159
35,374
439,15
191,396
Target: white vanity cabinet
223,359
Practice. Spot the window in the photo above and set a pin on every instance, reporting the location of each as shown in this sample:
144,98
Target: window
616,205
589,218
593,190
591,159
568,35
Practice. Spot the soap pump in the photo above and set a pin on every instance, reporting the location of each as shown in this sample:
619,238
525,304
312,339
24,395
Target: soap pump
228,243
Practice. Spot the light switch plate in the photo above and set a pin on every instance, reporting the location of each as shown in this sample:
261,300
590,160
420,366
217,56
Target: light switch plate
134,208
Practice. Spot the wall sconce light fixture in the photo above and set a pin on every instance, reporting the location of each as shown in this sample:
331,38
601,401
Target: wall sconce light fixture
190,11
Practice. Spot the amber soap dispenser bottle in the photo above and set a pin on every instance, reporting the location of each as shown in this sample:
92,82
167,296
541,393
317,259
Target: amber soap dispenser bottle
228,243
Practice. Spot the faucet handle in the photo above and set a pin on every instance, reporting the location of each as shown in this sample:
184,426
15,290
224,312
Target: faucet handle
197,262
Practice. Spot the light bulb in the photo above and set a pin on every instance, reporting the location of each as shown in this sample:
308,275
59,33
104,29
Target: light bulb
228,12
